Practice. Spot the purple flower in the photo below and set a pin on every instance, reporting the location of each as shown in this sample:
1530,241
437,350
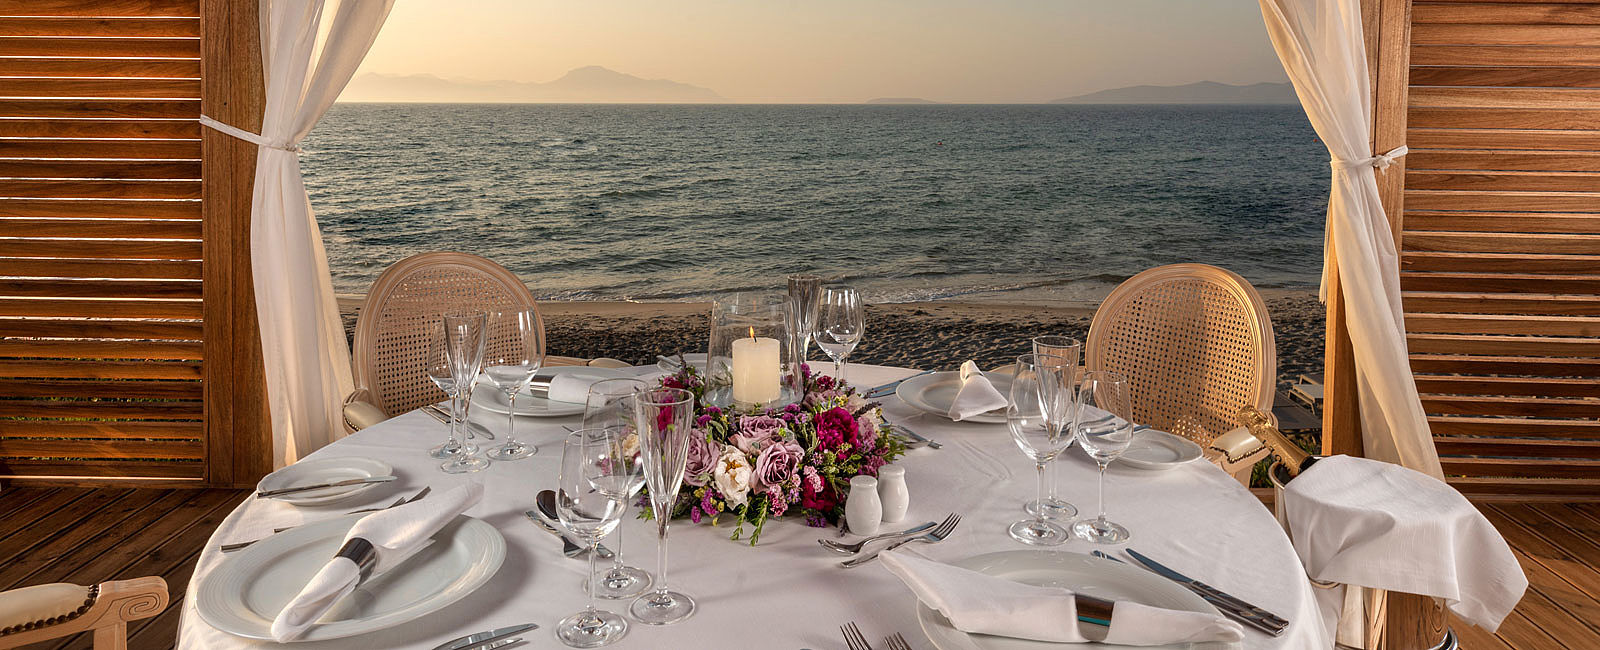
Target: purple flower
836,426
867,425
777,464
702,459
755,432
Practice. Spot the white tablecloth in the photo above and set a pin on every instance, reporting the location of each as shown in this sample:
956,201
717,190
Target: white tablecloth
787,592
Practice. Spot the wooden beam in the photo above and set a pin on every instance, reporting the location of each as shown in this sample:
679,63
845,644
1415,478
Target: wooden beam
238,434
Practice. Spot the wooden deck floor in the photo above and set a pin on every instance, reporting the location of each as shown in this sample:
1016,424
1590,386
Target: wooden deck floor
89,535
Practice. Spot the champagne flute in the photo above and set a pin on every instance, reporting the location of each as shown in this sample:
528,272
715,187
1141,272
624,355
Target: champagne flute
607,409
1037,402
805,293
515,355
841,320
1104,429
663,416
463,351
590,500
1068,349
437,367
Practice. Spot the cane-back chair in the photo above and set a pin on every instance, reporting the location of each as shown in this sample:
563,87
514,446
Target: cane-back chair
1195,344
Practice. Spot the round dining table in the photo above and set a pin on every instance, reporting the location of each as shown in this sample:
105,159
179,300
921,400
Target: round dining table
787,592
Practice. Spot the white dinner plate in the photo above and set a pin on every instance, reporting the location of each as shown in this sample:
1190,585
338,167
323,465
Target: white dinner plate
935,393
324,470
697,359
485,395
1159,450
1080,573
246,591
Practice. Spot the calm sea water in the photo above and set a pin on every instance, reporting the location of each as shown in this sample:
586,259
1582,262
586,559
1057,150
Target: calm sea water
908,202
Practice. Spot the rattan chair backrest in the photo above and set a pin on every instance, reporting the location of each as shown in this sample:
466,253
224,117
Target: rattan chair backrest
1195,344
402,314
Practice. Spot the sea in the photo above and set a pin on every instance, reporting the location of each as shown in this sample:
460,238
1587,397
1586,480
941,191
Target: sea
1007,203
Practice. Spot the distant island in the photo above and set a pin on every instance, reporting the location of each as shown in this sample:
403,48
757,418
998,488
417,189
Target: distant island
901,100
590,84
1203,92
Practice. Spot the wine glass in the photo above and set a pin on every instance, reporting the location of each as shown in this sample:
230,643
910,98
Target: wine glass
514,356
437,367
805,293
463,352
1068,349
1104,429
591,498
841,320
663,416
1038,402
607,409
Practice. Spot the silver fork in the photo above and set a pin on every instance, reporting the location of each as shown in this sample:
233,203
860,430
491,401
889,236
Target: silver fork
896,642
854,638
932,537
852,549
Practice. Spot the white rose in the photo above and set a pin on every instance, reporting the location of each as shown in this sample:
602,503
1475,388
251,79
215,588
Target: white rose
732,475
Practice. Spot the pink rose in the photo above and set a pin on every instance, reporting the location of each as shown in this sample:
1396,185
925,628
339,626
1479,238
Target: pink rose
868,426
836,426
755,432
702,460
777,464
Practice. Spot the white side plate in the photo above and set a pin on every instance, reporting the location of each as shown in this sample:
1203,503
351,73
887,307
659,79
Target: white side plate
324,470
936,392
248,589
1159,450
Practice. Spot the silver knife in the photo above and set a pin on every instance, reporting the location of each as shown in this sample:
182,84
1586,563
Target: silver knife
481,637
917,436
1237,609
894,384
568,547
494,644
444,418
264,494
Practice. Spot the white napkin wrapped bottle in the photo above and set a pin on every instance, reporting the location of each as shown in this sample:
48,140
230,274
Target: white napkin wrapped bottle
382,541
984,604
977,394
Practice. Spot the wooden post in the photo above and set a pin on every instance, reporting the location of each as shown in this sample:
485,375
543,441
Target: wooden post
232,90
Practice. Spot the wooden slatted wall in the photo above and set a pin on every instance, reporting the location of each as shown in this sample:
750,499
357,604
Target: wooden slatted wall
101,239
1501,241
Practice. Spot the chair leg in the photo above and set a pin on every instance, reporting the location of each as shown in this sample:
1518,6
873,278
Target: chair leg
111,637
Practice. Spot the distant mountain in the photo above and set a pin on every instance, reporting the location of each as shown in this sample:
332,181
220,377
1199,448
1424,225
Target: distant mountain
1204,92
901,100
591,84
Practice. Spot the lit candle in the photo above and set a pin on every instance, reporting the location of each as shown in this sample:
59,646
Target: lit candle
755,369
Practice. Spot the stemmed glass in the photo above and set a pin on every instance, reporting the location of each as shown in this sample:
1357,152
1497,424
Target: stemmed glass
608,409
463,349
438,370
1104,429
841,320
805,293
589,502
1068,349
516,354
663,416
1039,400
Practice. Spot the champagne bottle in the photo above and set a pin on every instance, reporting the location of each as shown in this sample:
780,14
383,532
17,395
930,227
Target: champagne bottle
1294,458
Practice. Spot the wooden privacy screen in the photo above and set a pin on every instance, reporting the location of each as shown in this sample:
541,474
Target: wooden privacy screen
105,320
1501,241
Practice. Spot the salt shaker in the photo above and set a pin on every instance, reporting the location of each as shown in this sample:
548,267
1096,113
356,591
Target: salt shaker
892,492
862,510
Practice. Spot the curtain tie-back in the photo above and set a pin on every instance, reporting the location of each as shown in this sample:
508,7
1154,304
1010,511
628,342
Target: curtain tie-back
1380,161
248,136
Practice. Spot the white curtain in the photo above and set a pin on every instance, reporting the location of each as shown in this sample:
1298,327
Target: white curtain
309,51
1321,46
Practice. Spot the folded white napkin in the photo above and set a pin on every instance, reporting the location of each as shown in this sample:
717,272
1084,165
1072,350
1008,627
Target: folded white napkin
984,604
1365,522
574,386
396,534
976,395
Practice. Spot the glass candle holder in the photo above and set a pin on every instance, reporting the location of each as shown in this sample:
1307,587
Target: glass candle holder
752,362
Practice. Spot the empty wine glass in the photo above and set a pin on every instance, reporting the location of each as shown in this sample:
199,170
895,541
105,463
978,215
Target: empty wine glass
841,320
1068,349
463,350
437,367
805,293
514,356
1037,403
590,500
663,416
608,409
1104,429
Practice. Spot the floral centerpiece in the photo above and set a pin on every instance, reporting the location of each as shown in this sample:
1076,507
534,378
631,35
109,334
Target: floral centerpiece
794,461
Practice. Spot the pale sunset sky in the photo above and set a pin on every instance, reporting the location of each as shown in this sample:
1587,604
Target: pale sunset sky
978,51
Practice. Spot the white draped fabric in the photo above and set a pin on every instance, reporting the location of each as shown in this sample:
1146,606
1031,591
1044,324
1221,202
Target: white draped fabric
309,51
1321,46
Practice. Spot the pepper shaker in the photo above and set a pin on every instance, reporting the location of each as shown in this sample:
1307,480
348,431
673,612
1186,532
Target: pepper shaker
892,492
862,510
